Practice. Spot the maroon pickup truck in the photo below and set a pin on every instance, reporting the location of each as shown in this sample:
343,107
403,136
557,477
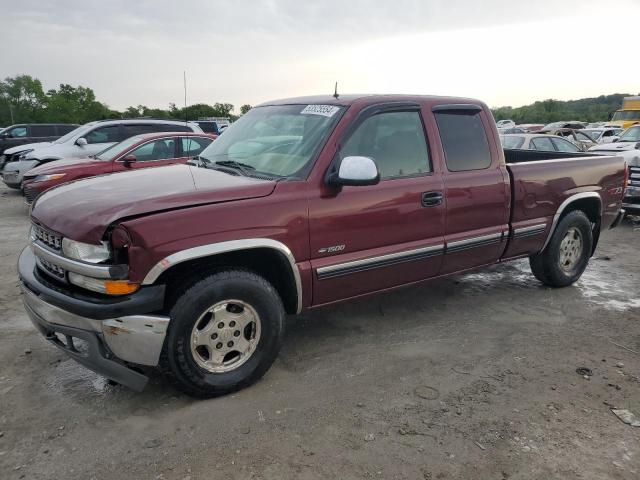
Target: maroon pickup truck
300,203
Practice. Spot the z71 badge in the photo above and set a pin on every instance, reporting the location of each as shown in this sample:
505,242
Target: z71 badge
334,249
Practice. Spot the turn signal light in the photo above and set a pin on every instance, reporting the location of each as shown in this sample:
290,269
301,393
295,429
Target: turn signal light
120,287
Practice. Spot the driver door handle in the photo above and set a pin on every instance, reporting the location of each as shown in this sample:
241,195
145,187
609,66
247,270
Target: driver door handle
431,199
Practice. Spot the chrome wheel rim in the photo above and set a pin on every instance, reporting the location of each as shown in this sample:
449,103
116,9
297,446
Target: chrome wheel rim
571,249
225,336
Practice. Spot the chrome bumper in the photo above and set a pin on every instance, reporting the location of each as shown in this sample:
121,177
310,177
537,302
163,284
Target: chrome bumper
136,338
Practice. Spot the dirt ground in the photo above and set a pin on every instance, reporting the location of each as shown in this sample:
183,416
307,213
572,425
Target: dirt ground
470,377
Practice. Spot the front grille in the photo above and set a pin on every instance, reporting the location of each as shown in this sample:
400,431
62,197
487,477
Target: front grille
634,177
29,194
47,237
52,269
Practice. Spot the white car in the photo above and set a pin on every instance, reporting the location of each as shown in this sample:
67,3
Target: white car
602,135
504,124
84,141
627,146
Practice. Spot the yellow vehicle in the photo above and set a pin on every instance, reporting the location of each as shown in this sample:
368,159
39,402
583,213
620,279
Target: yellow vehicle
629,114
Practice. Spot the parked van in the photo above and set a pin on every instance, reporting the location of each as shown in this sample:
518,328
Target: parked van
22,133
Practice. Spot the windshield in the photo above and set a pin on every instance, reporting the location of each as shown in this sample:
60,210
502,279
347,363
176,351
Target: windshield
278,140
512,141
631,135
73,133
627,115
114,150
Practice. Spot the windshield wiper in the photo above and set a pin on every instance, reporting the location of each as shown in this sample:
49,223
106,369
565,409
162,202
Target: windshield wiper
233,163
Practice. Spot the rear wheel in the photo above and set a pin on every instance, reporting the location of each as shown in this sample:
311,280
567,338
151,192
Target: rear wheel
567,255
225,332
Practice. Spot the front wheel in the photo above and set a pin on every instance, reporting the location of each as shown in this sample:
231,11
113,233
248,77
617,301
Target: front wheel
567,255
225,332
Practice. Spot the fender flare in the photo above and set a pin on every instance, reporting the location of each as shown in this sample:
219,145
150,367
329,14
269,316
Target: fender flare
563,206
225,247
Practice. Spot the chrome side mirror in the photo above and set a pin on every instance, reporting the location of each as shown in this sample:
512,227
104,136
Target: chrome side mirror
356,171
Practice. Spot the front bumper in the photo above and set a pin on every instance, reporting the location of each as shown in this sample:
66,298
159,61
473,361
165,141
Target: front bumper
110,344
11,179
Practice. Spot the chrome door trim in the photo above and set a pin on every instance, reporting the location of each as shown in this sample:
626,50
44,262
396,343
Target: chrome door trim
529,231
474,242
564,205
380,261
224,247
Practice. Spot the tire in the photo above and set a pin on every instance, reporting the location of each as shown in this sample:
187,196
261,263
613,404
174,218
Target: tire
567,255
205,370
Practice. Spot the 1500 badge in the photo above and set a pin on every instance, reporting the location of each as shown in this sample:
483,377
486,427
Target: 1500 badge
333,249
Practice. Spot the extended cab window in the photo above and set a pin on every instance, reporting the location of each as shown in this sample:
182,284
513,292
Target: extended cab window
158,150
464,140
394,140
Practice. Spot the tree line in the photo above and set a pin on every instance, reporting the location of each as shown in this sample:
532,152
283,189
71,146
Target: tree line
24,100
598,109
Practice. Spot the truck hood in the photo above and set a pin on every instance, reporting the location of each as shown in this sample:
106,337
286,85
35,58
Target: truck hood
26,146
83,210
63,166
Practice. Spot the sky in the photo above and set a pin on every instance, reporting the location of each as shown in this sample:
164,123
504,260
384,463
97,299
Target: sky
133,52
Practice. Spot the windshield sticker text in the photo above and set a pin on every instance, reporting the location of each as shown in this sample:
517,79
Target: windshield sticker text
324,110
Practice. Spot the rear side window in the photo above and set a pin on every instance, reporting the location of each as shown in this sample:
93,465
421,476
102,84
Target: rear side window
64,129
43,130
564,145
137,129
464,140
542,143
193,146
163,127
395,141
208,127
512,142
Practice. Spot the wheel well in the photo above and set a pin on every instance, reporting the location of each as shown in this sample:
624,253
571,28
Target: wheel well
266,262
592,209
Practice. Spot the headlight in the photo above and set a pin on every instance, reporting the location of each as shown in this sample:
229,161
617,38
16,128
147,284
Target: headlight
85,252
23,153
52,176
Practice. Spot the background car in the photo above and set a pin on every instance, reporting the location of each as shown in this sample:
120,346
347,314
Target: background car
84,141
140,151
22,133
557,125
602,135
536,141
585,142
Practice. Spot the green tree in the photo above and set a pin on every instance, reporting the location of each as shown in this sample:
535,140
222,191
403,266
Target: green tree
23,100
245,108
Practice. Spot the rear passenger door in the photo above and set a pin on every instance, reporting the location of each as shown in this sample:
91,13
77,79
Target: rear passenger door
368,238
42,133
476,188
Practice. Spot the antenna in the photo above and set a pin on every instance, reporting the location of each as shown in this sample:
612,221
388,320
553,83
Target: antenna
335,92
184,77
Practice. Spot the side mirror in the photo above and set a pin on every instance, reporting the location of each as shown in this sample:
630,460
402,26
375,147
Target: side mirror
81,142
356,171
129,159
5,135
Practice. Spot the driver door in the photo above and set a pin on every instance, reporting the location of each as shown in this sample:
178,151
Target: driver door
368,238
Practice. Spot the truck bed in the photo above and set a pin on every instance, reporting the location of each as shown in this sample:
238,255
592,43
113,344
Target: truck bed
542,181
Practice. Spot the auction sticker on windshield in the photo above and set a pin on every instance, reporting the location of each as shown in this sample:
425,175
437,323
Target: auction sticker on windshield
324,110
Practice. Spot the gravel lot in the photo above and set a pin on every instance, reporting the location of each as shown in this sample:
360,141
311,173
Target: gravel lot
473,376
